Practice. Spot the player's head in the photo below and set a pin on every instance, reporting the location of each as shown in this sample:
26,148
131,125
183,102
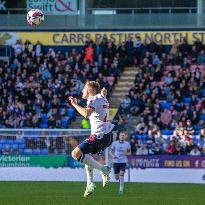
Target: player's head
91,88
122,136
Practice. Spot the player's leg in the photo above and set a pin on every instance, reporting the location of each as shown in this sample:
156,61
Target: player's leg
77,154
81,153
81,156
117,169
121,177
105,143
89,173
90,187
117,176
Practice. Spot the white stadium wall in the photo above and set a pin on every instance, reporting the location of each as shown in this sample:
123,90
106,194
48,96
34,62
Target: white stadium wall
135,175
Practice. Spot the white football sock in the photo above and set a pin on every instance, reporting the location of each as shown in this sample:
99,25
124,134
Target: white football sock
89,160
89,173
121,183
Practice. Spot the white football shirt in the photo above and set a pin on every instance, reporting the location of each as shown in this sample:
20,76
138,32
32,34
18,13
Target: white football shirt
99,119
119,149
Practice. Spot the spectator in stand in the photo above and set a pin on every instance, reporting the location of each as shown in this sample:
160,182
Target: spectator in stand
156,150
202,134
141,128
15,150
89,52
153,129
175,48
138,48
201,58
142,150
85,124
38,49
189,128
18,48
130,48
179,131
121,124
125,104
166,118
7,150
133,145
171,149
149,141
195,151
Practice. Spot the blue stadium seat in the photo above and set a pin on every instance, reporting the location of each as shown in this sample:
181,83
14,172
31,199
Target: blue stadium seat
187,100
143,136
71,112
136,136
186,104
19,141
3,141
165,105
196,141
64,122
44,125
44,151
36,151
202,117
165,132
21,146
43,115
203,92
27,151
21,151
44,120
9,142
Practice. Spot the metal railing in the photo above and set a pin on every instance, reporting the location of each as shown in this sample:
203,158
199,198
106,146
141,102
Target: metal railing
119,21
149,10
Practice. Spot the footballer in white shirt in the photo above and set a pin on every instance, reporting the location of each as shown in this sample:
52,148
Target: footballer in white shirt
119,151
101,137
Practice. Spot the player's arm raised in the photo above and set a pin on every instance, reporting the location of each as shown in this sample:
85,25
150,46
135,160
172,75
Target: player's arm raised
85,112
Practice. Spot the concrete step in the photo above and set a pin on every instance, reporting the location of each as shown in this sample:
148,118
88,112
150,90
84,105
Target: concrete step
129,72
128,78
125,83
131,68
122,94
119,88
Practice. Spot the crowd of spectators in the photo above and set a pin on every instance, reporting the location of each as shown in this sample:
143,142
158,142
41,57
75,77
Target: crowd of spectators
35,85
168,94
184,139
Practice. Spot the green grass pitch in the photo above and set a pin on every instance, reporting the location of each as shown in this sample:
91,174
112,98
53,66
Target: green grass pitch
70,193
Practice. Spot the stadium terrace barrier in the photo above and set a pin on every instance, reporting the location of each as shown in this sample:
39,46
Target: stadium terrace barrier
119,21
135,175
33,161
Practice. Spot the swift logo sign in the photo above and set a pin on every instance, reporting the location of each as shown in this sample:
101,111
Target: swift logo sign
54,7
2,5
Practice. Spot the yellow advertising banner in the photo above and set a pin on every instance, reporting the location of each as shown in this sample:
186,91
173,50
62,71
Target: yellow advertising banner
79,38
112,113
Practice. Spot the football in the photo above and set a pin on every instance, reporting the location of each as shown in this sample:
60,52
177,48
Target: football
35,17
